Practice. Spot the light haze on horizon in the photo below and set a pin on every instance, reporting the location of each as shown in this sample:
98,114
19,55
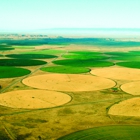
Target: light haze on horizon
43,14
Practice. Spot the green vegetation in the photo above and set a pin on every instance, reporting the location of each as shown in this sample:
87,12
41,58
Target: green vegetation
83,63
130,64
20,62
65,69
118,53
31,56
6,47
66,41
127,58
45,51
3,135
96,57
85,52
106,133
10,72
121,54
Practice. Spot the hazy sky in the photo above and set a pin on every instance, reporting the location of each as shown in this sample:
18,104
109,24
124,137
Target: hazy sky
40,14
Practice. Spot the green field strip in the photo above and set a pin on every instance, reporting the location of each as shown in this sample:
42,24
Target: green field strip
96,57
21,62
127,58
83,63
85,52
45,51
129,64
10,72
65,69
6,48
31,56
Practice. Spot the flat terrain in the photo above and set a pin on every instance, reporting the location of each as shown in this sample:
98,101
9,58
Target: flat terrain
69,91
68,82
32,99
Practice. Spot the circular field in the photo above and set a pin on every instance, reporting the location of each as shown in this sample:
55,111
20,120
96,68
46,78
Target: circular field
10,72
20,62
117,73
68,82
130,107
130,64
83,63
31,56
132,88
124,132
65,69
32,99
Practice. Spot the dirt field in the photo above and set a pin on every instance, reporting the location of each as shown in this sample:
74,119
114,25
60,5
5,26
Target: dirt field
117,72
132,88
130,107
68,82
32,99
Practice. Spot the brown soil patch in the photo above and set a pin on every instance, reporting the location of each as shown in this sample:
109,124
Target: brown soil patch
32,99
130,107
118,73
68,82
132,88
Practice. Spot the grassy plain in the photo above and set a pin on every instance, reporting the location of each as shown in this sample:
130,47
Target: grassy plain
87,109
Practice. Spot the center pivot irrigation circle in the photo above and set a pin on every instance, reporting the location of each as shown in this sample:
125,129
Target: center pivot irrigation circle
68,82
33,99
118,132
129,107
132,88
118,73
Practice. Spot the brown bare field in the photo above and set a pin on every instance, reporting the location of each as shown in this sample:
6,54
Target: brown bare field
117,73
68,82
32,99
132,88
130,107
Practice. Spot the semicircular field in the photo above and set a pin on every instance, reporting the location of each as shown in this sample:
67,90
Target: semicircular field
118,132
129,107
65,69
83,63
33,99
68,82
10,72
117,73
130,64
132,88
31,56
20,62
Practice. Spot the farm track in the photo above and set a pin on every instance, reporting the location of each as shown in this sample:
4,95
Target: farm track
8,132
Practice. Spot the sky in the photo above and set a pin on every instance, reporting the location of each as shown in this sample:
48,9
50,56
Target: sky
43,14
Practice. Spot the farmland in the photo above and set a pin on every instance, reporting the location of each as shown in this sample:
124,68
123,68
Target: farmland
69,89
